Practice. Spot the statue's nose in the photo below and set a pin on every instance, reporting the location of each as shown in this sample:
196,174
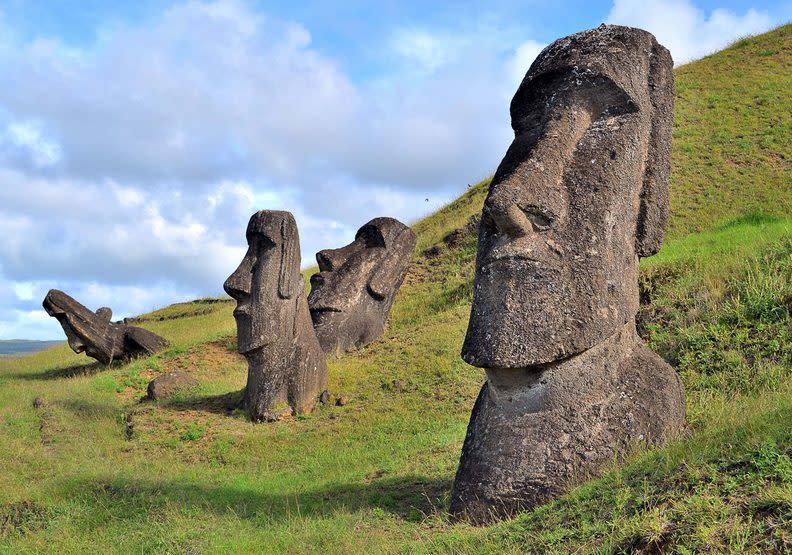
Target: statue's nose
238,284
332,259
506,213
325,259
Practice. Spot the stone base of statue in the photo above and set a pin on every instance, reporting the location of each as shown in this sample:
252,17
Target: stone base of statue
536,432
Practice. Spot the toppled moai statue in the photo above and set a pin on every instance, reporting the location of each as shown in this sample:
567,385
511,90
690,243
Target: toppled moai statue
286,365
353,291
94,333
581,194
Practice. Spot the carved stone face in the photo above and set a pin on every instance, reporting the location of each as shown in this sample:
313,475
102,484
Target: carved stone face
90,332
352,293
572,205
266,281
94,334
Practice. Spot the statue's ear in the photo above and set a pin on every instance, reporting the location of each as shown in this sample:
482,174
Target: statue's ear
104,313
383,278
289,279
653,214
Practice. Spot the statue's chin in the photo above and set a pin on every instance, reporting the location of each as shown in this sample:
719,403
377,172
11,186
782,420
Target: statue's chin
248,347
482,348
522,315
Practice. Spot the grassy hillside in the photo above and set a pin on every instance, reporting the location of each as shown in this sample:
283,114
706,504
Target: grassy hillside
91,468
733,133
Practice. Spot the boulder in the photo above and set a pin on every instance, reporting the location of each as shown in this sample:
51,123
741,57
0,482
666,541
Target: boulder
166,385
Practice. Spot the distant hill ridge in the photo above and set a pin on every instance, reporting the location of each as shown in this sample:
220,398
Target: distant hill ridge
24,346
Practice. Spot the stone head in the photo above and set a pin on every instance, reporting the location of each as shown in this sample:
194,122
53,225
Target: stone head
352,293
90,332
267,284
581,194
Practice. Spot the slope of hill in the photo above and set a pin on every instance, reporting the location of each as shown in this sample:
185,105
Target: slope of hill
733,133
91,468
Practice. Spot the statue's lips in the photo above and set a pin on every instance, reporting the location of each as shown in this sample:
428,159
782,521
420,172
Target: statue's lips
241,310
512,252
507,259
320,309
76,347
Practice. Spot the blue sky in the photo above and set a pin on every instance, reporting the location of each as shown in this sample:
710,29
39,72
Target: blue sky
136,138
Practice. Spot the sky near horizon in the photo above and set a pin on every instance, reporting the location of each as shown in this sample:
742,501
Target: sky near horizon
137,138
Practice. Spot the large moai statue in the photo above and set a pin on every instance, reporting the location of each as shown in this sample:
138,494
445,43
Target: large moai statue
286,365
94,334
353,291
581,194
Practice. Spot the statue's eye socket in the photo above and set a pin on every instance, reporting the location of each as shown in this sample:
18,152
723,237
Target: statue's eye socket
371,237
540,219
264,243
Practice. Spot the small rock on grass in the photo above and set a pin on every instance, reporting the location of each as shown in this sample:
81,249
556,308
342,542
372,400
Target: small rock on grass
168,384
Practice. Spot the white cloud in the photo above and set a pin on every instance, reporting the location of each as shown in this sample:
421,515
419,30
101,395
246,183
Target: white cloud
685,29
24,291
127,196
426,52
132,186
28,136
524,56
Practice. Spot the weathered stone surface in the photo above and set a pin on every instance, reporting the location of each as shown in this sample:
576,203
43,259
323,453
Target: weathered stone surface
168,384
581,194
94,333
286,365
353,291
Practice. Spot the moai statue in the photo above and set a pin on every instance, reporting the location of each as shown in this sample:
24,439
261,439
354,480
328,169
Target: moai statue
94,333
580,196
286,365
352,294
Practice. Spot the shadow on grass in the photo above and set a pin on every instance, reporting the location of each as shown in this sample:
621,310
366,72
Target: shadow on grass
82,408
224,403
76,370
411,498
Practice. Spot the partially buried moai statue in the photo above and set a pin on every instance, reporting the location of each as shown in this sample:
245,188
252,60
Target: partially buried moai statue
94,333
352,294
286,365
581,194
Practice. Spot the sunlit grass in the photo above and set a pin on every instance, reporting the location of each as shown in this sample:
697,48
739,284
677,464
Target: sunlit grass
94,469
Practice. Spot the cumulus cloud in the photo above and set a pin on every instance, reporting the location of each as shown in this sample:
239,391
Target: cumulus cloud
524,56
29,138
686,30
425,51
132,186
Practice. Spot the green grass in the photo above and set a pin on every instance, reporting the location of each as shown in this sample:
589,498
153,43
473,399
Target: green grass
94,469
374,475
732,144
